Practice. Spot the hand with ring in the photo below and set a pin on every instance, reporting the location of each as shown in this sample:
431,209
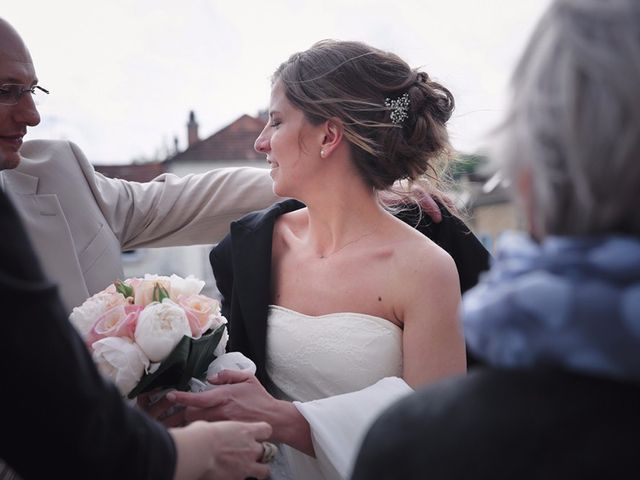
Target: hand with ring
269,452
223,450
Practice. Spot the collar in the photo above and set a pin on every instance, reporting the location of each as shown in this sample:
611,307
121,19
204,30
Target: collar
571,303
18,182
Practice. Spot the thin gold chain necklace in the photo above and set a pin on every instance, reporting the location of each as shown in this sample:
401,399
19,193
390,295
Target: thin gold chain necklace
323,256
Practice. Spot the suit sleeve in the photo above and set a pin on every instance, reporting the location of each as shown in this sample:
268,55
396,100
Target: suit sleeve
174,211
58,414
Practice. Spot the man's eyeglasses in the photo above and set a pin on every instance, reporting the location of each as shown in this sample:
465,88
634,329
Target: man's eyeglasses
10,93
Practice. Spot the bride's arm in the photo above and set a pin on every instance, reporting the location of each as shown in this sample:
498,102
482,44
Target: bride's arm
429,296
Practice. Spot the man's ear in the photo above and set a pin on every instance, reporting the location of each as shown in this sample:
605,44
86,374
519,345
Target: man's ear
332,133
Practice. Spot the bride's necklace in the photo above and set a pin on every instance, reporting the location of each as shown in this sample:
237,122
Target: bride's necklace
357,239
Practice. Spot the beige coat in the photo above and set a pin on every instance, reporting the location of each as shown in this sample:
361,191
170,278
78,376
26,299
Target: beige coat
80,221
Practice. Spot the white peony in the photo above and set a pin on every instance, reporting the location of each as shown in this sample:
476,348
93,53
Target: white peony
84,316
184,286
121,361
160,327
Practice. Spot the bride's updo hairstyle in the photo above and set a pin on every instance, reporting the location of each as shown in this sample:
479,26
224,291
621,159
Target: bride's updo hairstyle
366,89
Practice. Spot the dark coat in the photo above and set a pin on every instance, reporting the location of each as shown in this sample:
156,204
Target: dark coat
59,417
242,267
507,424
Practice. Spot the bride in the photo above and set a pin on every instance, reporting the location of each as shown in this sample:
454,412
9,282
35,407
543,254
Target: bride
342,306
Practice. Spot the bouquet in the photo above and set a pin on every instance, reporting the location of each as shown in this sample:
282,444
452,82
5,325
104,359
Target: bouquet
152,332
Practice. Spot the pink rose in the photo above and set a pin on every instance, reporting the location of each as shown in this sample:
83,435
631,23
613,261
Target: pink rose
85,316
143,292
133,282
201,312
120,321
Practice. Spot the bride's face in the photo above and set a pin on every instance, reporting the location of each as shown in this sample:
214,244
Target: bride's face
291,144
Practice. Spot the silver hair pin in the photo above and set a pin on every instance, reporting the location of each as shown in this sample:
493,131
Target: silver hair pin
399,108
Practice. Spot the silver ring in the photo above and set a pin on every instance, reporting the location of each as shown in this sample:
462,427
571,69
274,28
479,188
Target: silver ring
269,451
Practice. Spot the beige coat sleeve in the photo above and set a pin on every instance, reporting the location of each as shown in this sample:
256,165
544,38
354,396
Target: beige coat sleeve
174,211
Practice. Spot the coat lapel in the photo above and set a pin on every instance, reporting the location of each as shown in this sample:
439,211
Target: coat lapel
44,220
251,253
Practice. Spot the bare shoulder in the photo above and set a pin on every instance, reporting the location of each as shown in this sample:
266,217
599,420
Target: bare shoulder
425,280
424,268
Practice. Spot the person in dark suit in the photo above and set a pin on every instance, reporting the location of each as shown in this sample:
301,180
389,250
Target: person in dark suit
60,417
556,321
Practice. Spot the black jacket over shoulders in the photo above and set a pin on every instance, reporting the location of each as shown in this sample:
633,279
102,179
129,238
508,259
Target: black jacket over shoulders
508,424
242,267
59,418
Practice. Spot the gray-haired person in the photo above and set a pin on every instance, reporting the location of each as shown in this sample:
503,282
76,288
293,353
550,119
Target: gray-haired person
557,319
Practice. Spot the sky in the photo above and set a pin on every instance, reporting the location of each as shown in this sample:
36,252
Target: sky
124,74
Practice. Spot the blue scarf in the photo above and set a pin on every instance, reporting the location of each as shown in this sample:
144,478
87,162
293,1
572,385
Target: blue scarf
570,302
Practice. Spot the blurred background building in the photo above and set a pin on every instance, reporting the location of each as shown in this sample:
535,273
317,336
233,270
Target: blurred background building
231,146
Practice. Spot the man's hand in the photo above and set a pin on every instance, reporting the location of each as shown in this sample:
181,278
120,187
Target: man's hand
425,196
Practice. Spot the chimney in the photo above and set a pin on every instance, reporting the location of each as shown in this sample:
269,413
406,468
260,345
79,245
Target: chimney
192,129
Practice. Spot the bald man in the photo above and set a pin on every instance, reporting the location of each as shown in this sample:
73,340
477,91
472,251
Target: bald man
58,416
79,220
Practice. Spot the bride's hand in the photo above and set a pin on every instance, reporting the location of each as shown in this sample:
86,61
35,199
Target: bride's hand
237,396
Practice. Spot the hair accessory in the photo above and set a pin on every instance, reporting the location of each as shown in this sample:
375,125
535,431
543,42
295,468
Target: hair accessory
399,108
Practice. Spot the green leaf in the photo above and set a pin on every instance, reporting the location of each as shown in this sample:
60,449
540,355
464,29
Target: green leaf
168,373
201,354
124,289
159,293
189,358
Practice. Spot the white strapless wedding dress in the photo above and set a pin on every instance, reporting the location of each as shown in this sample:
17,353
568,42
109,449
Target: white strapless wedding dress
340,370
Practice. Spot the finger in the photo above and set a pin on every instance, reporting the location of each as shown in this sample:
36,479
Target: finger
143,400
210,398
159,408
258,470
177,419
230,376
431,208
261,430
193,414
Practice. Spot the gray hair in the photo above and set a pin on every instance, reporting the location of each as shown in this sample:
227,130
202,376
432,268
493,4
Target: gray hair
574,120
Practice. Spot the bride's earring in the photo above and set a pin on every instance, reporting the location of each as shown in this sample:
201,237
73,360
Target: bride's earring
322,153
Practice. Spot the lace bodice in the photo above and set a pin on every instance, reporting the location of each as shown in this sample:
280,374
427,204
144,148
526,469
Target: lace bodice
312,357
